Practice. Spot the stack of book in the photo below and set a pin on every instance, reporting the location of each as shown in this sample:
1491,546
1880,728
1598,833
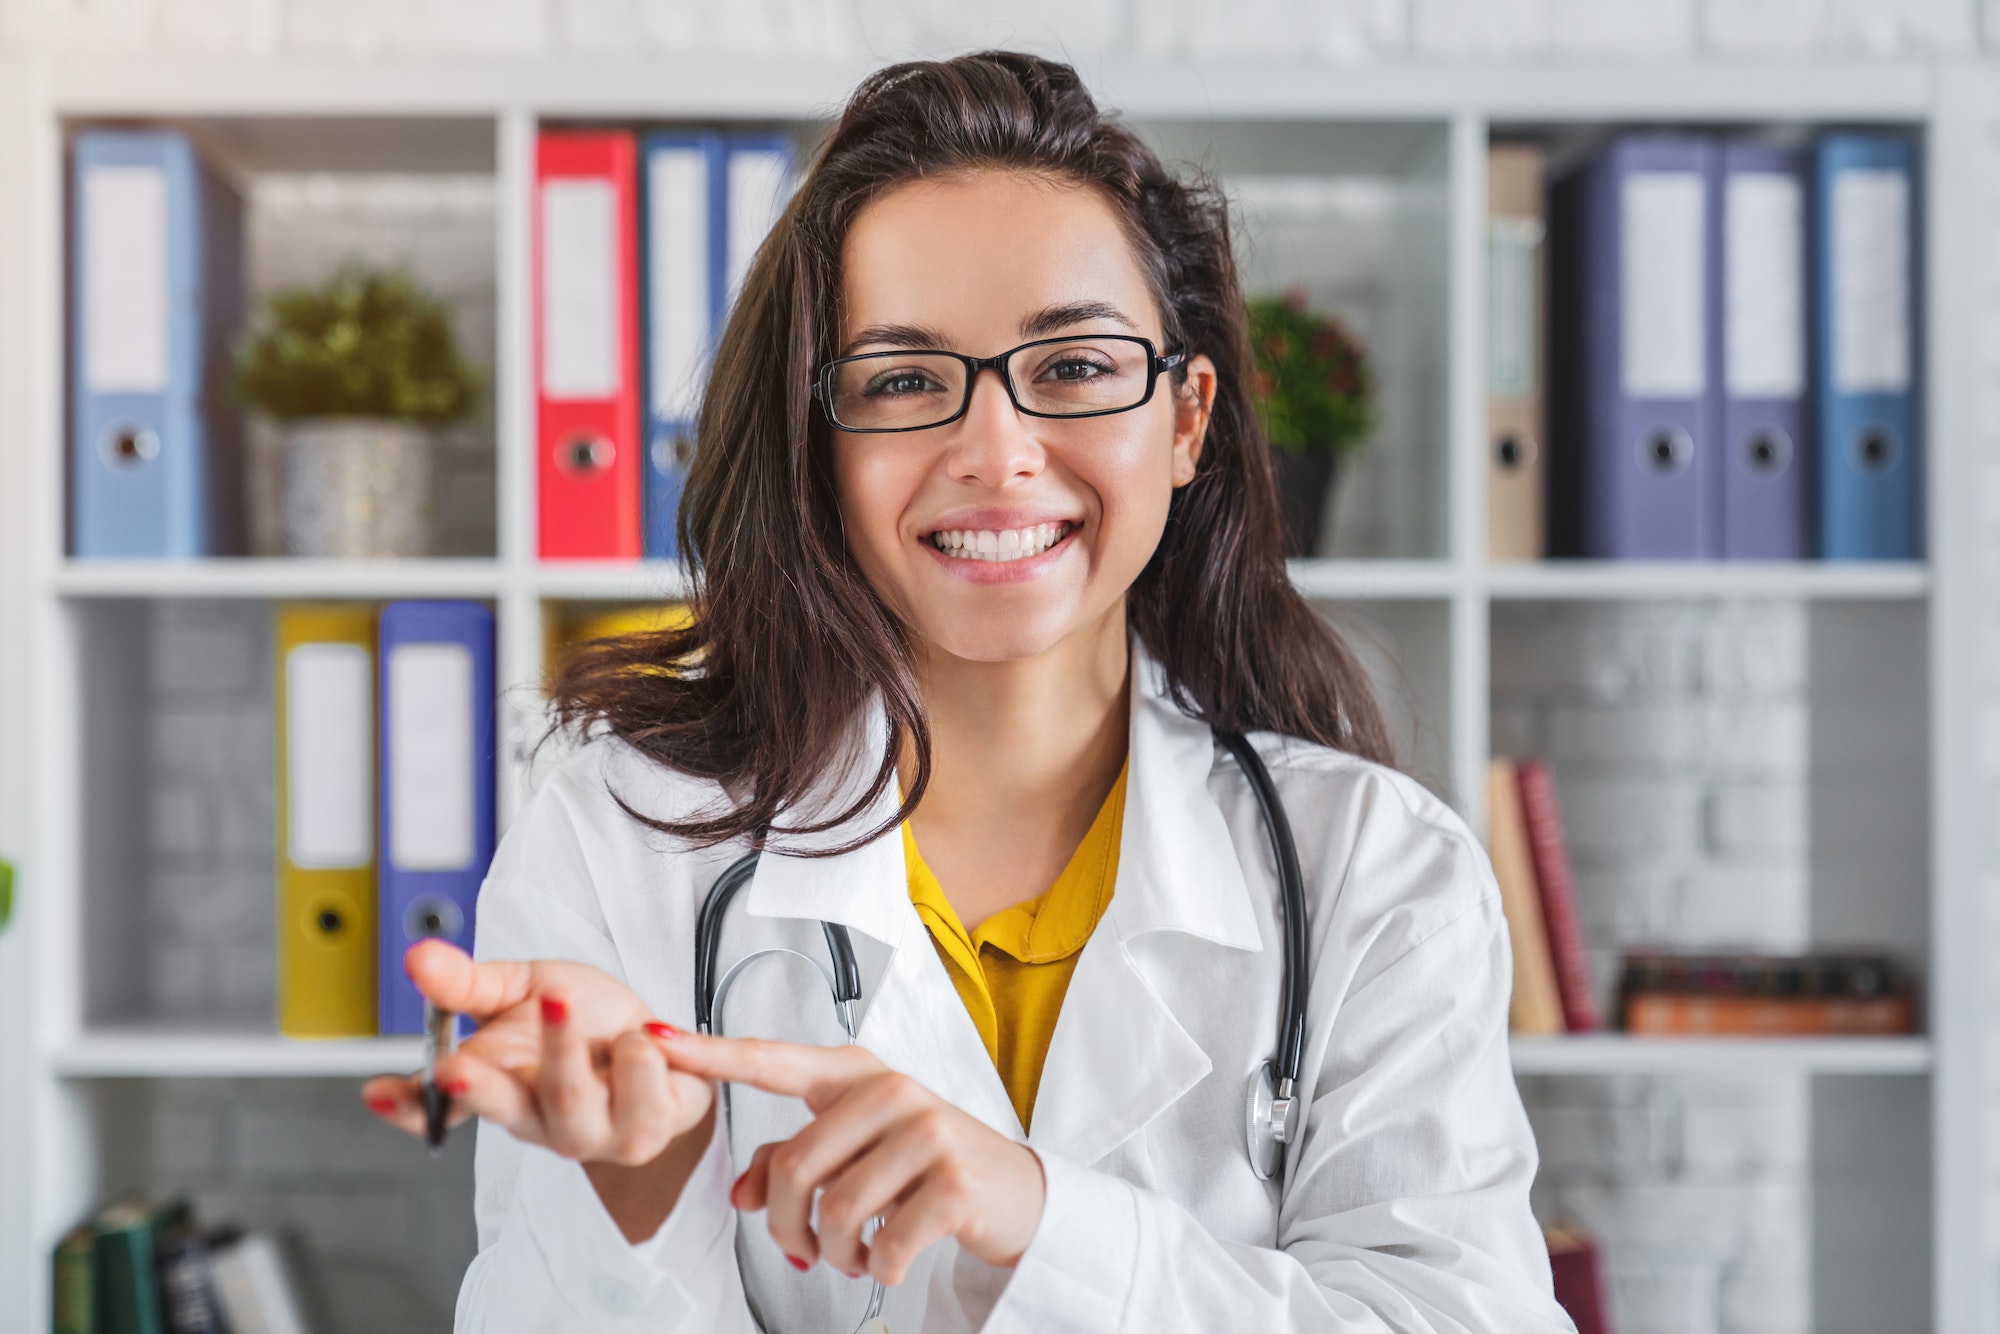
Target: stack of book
1552,986
1764,995
142,1267
1705,347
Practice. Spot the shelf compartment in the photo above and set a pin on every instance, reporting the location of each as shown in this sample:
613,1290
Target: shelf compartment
139,1053
1621,1053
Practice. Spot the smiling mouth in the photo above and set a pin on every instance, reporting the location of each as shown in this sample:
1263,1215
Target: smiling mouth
1002,545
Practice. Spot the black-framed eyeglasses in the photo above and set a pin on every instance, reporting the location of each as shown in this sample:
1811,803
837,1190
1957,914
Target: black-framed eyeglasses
1081,375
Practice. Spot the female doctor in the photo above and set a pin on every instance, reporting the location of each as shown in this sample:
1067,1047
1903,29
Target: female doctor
989,564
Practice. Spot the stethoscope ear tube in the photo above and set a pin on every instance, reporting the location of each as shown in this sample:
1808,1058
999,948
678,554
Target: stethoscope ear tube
1292,889
845,978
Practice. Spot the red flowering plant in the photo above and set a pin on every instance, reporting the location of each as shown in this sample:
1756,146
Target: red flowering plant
1311,382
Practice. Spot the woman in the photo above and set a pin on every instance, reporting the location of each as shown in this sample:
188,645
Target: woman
988,545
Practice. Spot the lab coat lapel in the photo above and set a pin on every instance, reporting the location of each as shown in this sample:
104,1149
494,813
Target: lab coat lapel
1120,1056
912,1017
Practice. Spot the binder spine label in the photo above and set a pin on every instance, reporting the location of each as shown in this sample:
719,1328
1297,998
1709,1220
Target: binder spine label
330,762
579,290
431,777
1662,277
1764,286
1870,298
126,298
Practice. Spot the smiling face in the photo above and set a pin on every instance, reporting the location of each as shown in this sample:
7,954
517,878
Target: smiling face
999,536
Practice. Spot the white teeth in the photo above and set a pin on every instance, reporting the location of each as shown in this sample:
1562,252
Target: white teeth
1002,545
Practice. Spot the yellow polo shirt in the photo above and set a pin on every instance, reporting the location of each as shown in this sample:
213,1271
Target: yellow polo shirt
1013,971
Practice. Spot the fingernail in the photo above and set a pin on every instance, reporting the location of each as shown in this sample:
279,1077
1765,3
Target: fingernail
453,1088
553,1010
665,1032
382,1106
798,1264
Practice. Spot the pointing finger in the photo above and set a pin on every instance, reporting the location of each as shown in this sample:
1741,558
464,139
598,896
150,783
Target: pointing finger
449,978
819,1075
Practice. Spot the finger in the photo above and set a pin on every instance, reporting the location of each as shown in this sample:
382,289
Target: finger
748,1194
932,1212
817,1074
643,1111
479,1088
450,979
800,1166
893,1167
573,1101
397,1100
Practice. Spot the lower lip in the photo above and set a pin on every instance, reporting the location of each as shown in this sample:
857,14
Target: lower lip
1000,571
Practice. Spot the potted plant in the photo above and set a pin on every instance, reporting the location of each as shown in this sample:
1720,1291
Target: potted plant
359,373
1315,398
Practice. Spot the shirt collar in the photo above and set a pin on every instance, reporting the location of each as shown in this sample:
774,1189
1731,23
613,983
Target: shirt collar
1177,866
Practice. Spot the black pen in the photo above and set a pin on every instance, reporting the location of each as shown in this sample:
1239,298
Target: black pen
440,1041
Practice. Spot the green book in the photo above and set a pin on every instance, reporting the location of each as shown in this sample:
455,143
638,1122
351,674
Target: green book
76,1283
128,1284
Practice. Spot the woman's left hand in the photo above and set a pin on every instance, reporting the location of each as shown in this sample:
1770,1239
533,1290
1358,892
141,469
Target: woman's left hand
880,1145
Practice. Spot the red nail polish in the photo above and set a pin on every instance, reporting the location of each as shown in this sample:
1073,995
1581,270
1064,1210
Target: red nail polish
382,1106
453,1088
798,1264
666,1032
553,1010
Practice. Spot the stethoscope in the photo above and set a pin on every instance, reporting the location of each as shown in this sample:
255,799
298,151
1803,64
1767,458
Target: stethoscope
1271,1116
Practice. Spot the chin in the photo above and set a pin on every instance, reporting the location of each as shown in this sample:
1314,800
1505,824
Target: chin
996,638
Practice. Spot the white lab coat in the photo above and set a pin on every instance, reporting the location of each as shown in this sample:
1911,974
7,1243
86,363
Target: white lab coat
1404,1207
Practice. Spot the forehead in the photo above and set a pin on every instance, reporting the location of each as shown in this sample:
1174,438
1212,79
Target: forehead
973,254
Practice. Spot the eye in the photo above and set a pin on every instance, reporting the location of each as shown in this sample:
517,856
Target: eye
902,381
1075,368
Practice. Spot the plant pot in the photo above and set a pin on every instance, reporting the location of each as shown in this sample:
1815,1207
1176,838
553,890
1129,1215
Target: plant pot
358,487
1305,494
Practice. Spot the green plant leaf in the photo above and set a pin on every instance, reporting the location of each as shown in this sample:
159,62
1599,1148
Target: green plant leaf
367,343
1311,384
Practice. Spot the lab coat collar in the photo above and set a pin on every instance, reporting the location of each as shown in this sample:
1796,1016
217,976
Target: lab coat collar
1177,870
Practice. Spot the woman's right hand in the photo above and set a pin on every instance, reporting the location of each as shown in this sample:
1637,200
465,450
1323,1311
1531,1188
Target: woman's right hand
565,1056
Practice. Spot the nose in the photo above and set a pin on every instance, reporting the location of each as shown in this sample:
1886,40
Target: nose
991,443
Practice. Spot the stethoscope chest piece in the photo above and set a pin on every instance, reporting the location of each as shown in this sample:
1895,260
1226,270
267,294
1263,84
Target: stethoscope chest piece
1271,1119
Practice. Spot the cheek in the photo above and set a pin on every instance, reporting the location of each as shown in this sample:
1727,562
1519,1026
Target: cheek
874,487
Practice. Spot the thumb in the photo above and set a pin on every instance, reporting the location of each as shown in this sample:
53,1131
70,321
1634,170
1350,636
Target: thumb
452,980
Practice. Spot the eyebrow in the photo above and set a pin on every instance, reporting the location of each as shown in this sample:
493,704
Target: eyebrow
1044,322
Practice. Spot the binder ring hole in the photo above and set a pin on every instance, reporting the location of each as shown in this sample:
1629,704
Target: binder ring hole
330,921
585,454
1768,453
671,453
127,447
1667,450
1875,449
1512,452
432,915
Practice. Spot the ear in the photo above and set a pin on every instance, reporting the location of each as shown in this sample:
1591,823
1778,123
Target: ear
1193,399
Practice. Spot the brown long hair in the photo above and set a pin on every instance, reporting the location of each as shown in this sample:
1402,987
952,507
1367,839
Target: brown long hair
789,640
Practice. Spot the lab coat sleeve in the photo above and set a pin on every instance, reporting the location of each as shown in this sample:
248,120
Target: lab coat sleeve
550,1256
1406,1207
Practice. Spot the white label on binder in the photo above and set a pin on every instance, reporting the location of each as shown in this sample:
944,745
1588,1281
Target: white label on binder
677,251
329,756
756,190
125,292
1763,305
579,289
1513,256
430,757
1661,273
1871,294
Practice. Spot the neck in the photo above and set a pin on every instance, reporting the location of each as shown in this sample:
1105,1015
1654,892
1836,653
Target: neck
1023,754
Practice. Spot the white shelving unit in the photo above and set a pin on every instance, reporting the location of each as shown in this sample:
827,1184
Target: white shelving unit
1424,125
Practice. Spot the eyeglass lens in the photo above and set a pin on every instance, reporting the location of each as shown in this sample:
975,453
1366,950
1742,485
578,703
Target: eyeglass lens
905,391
